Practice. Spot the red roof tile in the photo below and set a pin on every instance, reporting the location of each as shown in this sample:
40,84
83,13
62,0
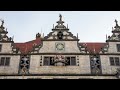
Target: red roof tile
93,47
27,46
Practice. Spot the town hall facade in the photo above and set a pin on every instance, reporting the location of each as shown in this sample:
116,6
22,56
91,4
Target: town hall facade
59,55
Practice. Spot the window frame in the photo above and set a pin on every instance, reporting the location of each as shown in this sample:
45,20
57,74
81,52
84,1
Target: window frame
7,63
73,60
111,60
117,58
4,61
116,61
118,47
48,61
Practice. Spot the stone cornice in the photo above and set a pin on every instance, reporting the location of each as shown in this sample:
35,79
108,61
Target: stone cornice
57,75
6,41
60,54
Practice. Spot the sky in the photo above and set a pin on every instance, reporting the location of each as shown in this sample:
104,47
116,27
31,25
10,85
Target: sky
91,26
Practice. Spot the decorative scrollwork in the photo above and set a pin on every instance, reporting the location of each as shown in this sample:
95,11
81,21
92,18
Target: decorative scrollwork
24,65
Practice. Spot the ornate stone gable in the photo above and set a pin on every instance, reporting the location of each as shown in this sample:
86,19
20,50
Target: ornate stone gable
115,37
60,33
3,33
8,45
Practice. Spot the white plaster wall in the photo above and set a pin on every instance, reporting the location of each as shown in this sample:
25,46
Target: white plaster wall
84,61
6,48
113,47
105,63
13,67
83,68
35,67
49,47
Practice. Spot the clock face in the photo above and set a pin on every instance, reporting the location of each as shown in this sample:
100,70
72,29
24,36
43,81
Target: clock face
60,46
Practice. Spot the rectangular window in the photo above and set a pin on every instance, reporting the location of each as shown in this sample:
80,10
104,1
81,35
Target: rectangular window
67,61
0,47
70,61
118,47
112,61
46,61
4,61
51,60
117,61
73,61
7,62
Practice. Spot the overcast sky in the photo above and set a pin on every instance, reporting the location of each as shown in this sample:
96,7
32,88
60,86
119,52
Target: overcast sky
92,26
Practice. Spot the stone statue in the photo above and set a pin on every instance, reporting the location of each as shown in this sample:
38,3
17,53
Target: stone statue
2,22
116,24
38,35
60,17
